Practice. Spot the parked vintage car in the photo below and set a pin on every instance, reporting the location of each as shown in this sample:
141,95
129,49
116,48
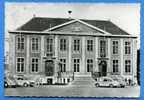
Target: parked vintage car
120,79
9,81
108,82
24,81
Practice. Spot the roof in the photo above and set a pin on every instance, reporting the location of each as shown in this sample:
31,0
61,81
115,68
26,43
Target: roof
43,23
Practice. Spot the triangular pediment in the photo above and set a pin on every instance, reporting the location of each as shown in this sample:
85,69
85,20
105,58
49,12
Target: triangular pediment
76,26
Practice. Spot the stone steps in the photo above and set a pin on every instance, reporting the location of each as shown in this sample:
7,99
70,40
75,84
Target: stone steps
86,81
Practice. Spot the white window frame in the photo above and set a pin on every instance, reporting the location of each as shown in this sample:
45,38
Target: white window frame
128,65
115,64
115,46
76,45
89,64
127,47
35,43
63,65
49,46
76,65
20,44
35,63
102,48
63,44
90,45
20,67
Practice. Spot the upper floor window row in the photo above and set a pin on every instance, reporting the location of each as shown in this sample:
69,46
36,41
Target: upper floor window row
115,47
63,44
102,48
49,45
20,42
89,45
76,45
35,44
127,47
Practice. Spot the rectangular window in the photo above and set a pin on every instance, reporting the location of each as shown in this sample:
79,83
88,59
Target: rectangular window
49,46
20,65
102,48
127,47
76,65
35,44
62,44
115,47
89,45
20,40
77,45
127,66
115,66
89,65
34,65
63,65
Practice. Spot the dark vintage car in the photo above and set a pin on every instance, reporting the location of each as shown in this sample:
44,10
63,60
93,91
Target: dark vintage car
9,81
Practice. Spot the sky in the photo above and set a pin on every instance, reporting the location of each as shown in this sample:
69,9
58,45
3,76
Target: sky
125,15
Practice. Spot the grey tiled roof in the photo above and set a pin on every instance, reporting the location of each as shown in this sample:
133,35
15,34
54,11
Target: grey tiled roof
42,23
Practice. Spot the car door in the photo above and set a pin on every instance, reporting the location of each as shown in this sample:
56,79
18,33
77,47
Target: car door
20,81
105,82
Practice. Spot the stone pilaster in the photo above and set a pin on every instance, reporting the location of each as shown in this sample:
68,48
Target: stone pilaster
69,54
109,67
28,58
12,55
96,69
121,57
134,59
42,69
83,67
56,53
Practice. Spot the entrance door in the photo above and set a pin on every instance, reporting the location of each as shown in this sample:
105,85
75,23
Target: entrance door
49,68
103,68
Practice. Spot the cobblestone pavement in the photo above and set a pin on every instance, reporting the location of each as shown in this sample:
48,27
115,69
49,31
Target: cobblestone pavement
69,90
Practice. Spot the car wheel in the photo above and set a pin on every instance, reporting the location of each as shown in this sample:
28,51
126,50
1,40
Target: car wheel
5,85
97,85
25,85
111,85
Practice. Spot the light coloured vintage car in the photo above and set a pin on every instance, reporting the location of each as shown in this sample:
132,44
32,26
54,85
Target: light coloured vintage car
24,81
108,82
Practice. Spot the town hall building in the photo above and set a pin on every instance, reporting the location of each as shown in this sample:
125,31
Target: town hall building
64,48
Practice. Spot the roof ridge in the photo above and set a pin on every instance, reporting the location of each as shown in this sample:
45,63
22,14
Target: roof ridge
70,18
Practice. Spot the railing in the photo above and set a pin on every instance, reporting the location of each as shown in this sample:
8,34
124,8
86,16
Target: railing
65,74
100,74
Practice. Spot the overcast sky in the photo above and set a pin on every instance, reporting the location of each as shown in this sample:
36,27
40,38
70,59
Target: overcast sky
126,16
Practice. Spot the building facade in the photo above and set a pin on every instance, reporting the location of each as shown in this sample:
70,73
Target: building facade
65,48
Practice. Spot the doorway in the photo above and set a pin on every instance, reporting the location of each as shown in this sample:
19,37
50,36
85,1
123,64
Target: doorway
49,68
103,68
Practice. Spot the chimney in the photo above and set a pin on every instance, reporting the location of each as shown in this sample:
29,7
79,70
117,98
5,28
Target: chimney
34,15
69,12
